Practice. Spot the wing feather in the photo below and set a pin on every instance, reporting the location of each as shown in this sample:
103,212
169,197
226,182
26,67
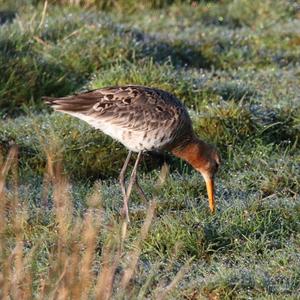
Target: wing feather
134,108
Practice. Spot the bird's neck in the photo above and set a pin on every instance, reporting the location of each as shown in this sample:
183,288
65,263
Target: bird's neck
193,152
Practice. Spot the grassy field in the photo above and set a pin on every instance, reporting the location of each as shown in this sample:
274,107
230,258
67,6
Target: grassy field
236,66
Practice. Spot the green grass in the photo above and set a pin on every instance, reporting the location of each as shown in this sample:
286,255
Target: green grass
235,65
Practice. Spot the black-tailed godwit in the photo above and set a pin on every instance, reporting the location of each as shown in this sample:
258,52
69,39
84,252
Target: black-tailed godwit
143,119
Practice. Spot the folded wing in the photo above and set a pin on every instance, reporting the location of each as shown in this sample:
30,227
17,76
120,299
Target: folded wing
132,107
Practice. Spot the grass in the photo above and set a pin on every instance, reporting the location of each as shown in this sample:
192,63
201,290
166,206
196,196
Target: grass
235,64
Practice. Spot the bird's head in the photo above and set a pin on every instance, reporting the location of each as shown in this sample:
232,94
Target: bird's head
206,160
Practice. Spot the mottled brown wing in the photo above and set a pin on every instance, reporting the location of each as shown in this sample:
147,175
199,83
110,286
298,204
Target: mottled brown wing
132,107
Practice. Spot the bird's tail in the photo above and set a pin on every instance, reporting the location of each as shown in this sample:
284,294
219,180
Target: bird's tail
69,104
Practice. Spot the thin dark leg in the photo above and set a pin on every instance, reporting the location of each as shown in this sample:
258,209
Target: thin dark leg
140,191
122,174
132,181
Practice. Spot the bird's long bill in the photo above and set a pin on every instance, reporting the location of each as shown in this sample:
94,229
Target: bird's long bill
210,192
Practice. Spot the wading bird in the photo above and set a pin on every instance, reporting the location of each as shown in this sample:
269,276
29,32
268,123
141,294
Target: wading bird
143,119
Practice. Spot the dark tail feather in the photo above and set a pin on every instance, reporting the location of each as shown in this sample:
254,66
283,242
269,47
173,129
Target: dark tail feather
69,104
49,100
54,103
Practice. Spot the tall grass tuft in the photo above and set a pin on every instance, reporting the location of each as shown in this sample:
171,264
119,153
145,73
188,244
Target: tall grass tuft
86,256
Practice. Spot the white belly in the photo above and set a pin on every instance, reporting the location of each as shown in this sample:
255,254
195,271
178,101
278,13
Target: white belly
133,140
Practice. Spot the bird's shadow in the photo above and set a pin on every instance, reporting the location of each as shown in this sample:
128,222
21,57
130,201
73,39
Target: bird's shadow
154,160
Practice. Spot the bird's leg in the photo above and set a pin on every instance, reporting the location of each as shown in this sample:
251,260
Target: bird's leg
140,191
122,178
132,181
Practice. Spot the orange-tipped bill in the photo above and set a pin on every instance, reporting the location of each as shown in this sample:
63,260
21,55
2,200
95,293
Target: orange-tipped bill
210,192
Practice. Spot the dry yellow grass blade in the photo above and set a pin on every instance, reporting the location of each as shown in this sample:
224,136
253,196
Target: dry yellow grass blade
72,270
136,252
162,293
15,282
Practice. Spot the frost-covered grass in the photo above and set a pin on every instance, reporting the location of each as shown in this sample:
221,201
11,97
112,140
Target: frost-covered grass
235,64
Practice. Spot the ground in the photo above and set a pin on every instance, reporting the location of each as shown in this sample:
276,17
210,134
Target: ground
235,65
